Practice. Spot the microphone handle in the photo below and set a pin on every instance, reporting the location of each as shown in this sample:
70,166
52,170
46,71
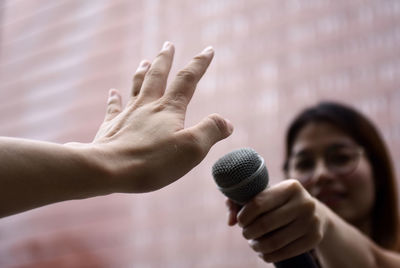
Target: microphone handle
304,260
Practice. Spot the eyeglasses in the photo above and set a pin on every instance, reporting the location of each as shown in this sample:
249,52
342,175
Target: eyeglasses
338,160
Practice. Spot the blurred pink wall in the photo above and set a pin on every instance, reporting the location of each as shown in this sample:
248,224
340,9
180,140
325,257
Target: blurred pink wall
273,58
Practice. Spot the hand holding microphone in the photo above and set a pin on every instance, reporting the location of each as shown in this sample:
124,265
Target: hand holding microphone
282,222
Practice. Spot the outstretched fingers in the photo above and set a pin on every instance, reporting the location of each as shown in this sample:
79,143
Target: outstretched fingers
183,86
114,104
138,78
155,80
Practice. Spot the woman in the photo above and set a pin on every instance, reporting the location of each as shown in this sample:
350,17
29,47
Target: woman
340,200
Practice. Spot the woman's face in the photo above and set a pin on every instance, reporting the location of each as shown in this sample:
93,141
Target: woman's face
334,169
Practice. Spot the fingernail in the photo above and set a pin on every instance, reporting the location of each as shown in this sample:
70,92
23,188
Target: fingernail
230,126
144,64
251,242
166,45
208,50
112,92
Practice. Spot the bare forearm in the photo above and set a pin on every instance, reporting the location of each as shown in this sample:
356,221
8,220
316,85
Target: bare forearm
140,148
345,246
35,173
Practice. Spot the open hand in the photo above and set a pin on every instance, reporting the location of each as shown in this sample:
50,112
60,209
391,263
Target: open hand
145,146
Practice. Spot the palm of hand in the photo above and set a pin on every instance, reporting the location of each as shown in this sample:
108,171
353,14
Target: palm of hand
145,144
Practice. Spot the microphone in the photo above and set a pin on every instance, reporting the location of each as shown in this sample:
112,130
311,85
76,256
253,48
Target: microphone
241,175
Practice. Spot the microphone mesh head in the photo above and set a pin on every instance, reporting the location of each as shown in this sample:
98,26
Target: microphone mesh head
241,174
234,167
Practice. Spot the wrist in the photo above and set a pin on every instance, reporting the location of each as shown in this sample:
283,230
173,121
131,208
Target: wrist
95,170
327,221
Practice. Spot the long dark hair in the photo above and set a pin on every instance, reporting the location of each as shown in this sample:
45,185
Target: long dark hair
385,224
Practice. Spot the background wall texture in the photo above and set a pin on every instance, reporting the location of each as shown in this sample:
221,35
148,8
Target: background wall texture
273,58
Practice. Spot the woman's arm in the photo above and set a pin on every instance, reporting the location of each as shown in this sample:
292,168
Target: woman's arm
284,221
343,245
140,148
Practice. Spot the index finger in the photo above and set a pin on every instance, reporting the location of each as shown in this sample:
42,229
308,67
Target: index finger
182,88
264,202
233,210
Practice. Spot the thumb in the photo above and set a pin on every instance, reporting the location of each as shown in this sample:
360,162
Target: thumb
210,130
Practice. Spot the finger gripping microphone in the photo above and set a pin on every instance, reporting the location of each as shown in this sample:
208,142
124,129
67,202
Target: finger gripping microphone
241,175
